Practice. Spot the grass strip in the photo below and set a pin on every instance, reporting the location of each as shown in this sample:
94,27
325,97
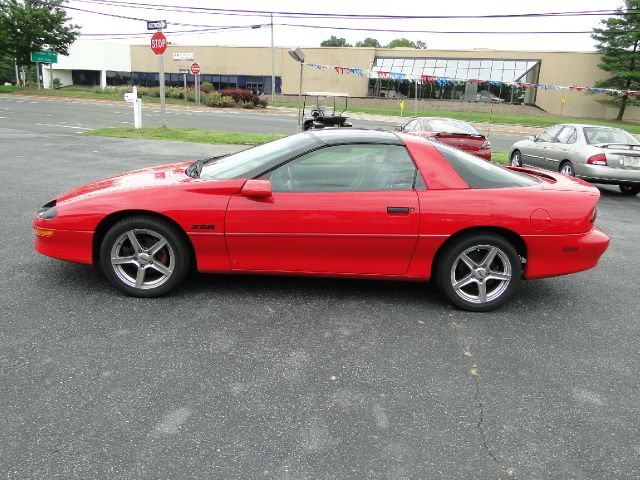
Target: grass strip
486,117
195,135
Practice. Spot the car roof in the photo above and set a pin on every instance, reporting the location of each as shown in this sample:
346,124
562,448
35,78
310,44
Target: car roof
337,136
582,125
446,119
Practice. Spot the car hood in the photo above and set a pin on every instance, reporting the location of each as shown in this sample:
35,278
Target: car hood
137,179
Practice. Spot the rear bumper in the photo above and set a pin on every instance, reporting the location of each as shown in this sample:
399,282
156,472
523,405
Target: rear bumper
70,245
552,255
609,175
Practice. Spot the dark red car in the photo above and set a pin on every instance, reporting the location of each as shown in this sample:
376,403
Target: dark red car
456,133
334,202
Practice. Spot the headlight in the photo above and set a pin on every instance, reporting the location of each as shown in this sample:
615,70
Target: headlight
48,210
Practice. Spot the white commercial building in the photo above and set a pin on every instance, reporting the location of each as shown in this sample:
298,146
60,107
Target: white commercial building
88,63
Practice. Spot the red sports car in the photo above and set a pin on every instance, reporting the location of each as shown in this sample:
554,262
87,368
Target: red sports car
334,202
456,133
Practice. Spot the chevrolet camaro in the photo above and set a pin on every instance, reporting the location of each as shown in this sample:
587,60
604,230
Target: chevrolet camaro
333,202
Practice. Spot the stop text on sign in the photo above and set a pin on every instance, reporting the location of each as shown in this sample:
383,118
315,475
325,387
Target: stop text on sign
158,43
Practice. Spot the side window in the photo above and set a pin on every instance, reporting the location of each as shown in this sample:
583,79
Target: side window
347,168
549,134
567,135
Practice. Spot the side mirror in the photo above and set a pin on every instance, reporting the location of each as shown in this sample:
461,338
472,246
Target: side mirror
533,138
398,128
257,189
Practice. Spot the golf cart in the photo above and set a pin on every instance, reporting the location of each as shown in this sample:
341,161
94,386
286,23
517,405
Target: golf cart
320,115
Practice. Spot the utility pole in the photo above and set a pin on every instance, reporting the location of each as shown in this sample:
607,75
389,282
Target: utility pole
273,66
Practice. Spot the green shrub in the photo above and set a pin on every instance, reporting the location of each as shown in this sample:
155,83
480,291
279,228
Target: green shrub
247,105
227,102
57,83
206,87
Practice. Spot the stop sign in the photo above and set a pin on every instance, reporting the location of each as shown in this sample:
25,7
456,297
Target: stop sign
158,43
195,68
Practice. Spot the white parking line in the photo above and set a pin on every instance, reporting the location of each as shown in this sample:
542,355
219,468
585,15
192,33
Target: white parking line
62,126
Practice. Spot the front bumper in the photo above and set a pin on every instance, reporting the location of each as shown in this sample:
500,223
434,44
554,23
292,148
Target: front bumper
552,255
70,245
609,175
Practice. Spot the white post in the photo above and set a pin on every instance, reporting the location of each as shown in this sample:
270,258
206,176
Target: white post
416,102
38,74
103,79
300,100
137,109
273,66
51,76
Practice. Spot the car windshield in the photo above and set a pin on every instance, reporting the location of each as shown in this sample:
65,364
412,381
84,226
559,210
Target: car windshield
451,127
248,163
596,135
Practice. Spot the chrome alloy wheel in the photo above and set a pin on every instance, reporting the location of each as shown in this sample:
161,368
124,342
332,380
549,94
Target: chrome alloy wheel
515,160
481,274
142,259
567,169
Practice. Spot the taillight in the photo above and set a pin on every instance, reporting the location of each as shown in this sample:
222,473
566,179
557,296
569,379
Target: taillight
486,145
594,215
599,159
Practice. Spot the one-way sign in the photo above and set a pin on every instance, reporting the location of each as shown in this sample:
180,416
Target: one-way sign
156,24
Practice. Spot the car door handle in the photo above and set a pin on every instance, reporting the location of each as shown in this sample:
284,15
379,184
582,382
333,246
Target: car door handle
398,210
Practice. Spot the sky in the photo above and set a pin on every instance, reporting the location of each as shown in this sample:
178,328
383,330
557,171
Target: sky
96,27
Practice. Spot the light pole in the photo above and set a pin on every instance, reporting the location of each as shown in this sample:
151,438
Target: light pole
298,56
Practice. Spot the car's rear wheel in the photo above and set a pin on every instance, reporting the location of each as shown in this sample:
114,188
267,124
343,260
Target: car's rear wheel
479,272
516,159
566,168
630,189
144,256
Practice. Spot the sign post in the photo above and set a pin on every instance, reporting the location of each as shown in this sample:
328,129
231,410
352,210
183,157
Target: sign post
159,46
184,72
195,70
44,56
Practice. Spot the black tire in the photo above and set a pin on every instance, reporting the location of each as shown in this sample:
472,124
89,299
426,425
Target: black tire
163,265
629,189
451,268
516,159
566,168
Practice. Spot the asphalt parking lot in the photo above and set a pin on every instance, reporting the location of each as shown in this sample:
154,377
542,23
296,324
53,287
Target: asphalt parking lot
279,378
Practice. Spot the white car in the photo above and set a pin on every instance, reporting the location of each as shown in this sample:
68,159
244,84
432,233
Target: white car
594,153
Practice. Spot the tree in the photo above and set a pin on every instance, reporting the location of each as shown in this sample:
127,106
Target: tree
31,25
421,45
334,41
401,42
368,42
619,42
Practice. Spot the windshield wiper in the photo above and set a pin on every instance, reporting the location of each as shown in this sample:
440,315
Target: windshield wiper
195,168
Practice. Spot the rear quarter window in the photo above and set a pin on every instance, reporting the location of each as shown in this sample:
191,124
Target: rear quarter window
478,173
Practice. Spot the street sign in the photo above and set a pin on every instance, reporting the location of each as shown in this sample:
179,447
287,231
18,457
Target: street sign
156,24
44,57
183,56
158,43
195,68
130,97
183,71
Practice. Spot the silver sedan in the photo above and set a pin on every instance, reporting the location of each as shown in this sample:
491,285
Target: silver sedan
591,152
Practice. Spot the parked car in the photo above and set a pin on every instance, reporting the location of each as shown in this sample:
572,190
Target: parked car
332,202
456,133
594,153
487,96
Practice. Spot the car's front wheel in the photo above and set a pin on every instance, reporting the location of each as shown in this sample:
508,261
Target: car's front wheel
630,189
144,256
479,272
